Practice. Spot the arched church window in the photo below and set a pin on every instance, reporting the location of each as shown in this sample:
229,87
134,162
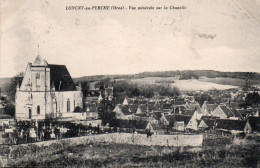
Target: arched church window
68,105
38,110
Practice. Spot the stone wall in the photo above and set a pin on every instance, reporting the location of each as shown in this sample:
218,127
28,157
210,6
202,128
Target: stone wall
138,139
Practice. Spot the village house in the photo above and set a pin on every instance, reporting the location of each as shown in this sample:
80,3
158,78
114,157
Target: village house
91,107
142,108
126,101
181,122
93,94
133,125
208,108
176,122
123,112
98,93
193,124
167,107
223,112
230,126
133,108
252,125
207,123
47,91
145,117
92,115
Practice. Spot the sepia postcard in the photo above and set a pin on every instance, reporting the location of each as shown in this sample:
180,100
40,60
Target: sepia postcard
129,83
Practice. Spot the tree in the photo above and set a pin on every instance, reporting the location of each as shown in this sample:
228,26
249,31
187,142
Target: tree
11,86
252,99
9,109
108,117
84,87
136,92
102,83
200,98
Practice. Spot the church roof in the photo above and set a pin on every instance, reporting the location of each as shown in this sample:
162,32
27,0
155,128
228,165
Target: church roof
61,78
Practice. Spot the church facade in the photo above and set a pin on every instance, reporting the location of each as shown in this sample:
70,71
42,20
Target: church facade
47,91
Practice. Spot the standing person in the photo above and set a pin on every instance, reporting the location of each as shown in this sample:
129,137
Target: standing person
39,133
15,136
32,133
52,134
57,132
27,135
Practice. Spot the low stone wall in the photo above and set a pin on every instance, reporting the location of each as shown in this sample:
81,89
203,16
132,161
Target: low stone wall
137,139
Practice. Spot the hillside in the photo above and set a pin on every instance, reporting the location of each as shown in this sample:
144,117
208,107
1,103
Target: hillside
201,78
253,77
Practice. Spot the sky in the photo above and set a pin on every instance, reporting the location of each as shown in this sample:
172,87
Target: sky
219,35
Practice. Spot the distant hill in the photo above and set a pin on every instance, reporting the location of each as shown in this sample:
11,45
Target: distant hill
253,77
185,74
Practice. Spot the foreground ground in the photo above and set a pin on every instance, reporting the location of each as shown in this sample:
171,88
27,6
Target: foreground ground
213,153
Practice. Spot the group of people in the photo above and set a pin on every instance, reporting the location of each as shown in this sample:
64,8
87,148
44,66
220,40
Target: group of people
34,131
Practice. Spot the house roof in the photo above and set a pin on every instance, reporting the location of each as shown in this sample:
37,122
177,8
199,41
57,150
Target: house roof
211,107
236,113
92,107
166,106
195,107
133,124
157,115
254,123
78,110
152,107
209,117
230,124
141,124
179,108
60,77
184,118
171,118
141,115
140,101
143,107
227,111
188,112
210,122
133,107
125,110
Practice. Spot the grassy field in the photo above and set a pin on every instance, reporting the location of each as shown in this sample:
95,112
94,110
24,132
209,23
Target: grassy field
194,84
228,81
213,153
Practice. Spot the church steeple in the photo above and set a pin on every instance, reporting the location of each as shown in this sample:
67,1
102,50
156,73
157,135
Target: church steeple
39,61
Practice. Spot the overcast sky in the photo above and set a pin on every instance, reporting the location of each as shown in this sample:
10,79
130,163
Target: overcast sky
217,35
